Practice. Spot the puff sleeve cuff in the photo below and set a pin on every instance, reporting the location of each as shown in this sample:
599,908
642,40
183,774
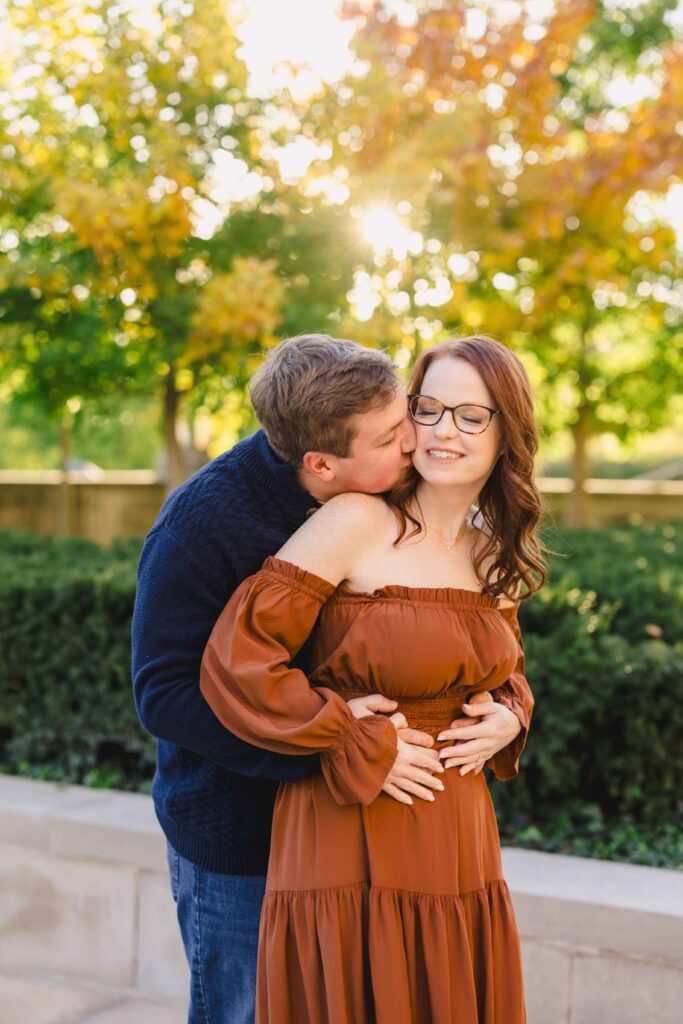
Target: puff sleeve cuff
355,772
516,695
247,681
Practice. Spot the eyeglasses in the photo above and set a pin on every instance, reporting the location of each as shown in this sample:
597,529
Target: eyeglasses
471,419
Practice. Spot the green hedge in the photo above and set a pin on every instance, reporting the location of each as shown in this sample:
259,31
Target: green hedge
604,645
66,710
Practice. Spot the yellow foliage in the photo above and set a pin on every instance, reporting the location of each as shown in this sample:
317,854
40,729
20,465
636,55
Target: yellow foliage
475,313
123,229
238,309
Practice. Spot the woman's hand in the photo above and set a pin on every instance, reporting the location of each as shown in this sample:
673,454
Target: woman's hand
413,773
477,743
415,764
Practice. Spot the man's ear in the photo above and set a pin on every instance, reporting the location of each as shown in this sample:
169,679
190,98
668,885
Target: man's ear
320,465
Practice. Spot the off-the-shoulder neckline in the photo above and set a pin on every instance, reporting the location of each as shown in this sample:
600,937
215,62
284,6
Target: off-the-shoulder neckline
461,595
449,595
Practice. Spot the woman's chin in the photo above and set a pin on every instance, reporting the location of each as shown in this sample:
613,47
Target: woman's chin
442,478
437,471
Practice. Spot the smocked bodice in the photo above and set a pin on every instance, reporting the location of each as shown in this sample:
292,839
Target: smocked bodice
413,642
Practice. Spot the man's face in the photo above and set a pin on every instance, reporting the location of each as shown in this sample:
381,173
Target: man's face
380,450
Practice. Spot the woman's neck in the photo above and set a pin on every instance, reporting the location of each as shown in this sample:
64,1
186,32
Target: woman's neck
445,508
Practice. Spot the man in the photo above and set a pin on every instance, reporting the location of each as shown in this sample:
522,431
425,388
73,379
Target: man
334,418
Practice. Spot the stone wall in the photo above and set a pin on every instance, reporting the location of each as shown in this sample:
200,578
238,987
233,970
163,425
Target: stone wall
121,504
616,501
84,895
125,504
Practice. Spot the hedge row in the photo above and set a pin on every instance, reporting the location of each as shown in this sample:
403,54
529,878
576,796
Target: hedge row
66,710
604,646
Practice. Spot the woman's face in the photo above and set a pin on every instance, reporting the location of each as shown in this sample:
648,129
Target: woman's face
445,455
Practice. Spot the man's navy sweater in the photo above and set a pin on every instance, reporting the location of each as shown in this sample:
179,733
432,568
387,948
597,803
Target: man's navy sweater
213,793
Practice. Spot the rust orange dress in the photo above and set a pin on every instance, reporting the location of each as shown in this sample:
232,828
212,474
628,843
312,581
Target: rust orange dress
375,912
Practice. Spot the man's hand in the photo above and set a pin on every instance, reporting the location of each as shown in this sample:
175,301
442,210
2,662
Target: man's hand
477,743
415,764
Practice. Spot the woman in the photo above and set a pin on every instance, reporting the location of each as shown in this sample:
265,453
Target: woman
377,912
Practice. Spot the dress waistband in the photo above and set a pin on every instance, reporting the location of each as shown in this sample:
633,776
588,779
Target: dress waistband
428,714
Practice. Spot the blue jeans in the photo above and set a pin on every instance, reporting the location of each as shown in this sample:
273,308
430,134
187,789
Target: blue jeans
219,918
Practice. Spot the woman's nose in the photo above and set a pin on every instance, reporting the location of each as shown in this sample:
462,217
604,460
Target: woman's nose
446,426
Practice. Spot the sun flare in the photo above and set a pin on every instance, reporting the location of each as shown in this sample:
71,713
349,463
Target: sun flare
383,229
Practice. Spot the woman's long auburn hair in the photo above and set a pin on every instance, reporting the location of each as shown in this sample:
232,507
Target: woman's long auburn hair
509,502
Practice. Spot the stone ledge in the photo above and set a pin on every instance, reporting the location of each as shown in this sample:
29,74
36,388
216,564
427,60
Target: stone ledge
85,897
601,905
567,902
67,917
30,998
585,879
81,823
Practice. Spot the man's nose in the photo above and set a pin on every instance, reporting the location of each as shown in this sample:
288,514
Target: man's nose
409,438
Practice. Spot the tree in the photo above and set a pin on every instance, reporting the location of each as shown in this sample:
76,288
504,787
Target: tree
534,191
131,143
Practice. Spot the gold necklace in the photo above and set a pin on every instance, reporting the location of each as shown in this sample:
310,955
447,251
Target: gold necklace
446,542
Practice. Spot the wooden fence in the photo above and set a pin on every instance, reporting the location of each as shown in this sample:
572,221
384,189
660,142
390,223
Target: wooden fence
126,503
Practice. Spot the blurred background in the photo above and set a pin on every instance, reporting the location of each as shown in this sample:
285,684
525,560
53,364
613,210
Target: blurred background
183,184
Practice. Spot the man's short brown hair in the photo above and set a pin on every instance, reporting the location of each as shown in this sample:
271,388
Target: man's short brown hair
307,388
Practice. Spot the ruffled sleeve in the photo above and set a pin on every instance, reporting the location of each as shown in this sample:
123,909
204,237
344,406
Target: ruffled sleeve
516,695
247,680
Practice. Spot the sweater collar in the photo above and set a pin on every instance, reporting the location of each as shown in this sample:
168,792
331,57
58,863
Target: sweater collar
267,471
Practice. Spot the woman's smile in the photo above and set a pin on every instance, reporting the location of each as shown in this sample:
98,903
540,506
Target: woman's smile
445,455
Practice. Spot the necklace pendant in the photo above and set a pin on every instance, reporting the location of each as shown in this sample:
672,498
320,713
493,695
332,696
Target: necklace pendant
449,543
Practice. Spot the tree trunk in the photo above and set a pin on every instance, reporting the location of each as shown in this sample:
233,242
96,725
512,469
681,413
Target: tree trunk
63,523
417,350
175,469
578,504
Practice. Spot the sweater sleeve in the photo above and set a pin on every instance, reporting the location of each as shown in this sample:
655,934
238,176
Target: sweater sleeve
177,603
247,680
516,695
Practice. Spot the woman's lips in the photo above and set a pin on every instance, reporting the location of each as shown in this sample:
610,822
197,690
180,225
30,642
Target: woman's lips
443,455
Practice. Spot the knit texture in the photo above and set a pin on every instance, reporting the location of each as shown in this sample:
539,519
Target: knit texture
213,793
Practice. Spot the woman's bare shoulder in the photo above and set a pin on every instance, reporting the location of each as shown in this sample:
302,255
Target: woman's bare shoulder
332,540
353,509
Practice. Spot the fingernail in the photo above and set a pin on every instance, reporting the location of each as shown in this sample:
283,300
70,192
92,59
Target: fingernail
440,787
440,738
